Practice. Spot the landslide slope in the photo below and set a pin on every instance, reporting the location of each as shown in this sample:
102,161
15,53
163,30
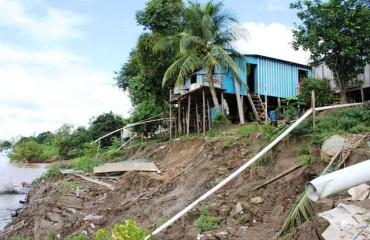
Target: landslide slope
189,168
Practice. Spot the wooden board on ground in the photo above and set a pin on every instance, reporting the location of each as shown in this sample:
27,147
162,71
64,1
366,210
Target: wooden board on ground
127,167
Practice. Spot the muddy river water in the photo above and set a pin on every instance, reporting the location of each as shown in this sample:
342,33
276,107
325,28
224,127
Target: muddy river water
11,176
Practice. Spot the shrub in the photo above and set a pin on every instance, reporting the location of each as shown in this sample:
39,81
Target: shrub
303,150
129,230
85,164
219,120
49,151
212,133
228,143
361,128
307,159
323,94
206,222
26,151
53,170
247,129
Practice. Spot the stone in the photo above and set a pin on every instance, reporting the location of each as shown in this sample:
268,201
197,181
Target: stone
257,200
331,146
225,211
98,220
53,217
191,233
238,208
71,202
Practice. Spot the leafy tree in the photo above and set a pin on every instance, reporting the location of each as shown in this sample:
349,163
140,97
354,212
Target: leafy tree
141,73
336,32
26,151
161,16
145,110
104,124
44,137
204,43
73,145
324,95
6,144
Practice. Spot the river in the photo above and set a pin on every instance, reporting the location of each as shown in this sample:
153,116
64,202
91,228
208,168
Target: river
11,176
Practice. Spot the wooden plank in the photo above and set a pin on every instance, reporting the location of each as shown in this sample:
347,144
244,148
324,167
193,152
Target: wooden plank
209,114
170,116
127,166
188,118
179,124
197,115
92,180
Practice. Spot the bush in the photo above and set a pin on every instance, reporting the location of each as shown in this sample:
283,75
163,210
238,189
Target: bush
323,94
247,129
129,230
219,121
53,170
27,151
85,164
49,151
206,222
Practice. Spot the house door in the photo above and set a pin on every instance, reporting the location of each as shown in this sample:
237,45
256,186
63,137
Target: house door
251,69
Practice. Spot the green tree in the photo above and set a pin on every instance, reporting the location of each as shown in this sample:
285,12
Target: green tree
205,43
6,144
73,145
26,151
44,137
143,111
141,73
336,32
104,124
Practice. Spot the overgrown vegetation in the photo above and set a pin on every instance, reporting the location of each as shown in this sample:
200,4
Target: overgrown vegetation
324,95
339,121
205,221
128,230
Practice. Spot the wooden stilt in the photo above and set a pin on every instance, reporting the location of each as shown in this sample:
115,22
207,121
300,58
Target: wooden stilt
179,124
204,114
222,103
188,120
362,95
197,115
240,109
209,114
170,116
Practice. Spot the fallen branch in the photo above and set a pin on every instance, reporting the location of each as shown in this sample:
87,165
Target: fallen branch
279,176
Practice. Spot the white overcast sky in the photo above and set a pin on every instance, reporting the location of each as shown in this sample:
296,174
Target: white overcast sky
57,58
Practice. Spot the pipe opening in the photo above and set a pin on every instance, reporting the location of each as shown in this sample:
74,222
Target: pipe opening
312,192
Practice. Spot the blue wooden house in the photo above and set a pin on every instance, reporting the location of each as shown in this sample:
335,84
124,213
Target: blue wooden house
265,81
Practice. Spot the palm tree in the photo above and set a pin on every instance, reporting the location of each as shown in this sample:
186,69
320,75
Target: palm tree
205,43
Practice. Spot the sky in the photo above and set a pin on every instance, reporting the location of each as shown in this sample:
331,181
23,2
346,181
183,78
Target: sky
58,58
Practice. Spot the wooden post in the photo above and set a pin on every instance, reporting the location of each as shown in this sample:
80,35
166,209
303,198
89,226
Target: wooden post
313,109
209,114
266,114
240,109
362,95
188,120
222,103
204,113
170,116
197,115
179,120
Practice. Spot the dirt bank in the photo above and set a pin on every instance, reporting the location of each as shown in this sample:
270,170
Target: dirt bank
189,168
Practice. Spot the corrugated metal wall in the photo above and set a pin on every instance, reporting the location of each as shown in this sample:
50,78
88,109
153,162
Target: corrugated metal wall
323,71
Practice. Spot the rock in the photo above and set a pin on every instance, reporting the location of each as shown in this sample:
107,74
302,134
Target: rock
69,201
331,146
222,235
238,208
257,200
191,233
53,217
225,211
98,220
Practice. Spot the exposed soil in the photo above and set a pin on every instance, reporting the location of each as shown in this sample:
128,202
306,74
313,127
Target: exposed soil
189,168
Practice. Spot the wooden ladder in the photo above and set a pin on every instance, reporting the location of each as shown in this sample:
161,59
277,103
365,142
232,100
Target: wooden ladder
257,107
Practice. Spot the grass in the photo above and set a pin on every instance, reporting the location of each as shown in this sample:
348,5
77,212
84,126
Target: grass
246,206
206,222
53,170
227,143
85,164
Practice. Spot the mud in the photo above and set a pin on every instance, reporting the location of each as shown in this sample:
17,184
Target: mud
189,168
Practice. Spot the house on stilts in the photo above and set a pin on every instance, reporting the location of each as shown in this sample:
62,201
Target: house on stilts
264,83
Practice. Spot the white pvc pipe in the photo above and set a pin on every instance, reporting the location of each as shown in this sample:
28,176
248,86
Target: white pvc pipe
245,166
337,181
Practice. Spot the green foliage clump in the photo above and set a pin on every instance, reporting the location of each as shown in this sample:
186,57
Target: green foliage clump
213,133
27,151
307,159
104,124
324,95
85,164
129,230
206,222
247,129
81,236
49,151
227,143
219,121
